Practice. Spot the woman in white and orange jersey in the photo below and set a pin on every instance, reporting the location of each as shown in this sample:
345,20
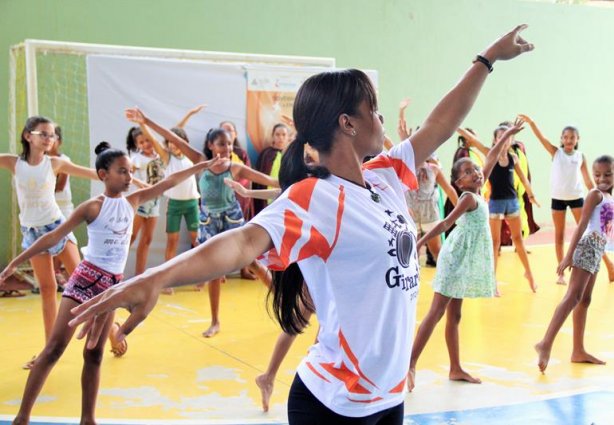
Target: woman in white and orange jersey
341,227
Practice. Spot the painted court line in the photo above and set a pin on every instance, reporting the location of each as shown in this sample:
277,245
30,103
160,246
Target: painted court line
589,408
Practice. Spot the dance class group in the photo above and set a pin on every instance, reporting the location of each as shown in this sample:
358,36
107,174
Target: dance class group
342,218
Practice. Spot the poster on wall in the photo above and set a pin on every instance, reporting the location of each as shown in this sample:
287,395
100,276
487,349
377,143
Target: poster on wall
165,89
270,97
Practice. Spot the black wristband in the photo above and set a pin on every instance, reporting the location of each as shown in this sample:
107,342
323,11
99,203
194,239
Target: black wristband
486,62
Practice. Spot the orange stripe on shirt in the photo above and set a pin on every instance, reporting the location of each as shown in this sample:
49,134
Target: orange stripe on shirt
316,373
300,193
345,375
317,243
348,351
399,387
402,171
373,400
293,226
273,261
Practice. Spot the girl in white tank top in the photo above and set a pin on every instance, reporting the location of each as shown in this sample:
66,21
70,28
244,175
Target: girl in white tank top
182,200
568,178
109,220
34,181
594,234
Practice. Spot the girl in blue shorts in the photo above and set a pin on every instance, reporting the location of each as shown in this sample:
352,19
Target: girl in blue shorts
220,209
35,175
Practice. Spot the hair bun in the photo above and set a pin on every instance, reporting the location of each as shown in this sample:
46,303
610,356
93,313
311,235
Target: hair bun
101,147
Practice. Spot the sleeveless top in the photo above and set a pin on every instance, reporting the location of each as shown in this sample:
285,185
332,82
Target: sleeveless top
64,197
35,187
566,176
602,221
502,180
185,190
216,196
109,235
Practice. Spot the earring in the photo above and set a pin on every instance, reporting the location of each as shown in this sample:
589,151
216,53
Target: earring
353,132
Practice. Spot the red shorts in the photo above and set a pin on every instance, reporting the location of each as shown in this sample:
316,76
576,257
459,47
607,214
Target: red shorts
87,281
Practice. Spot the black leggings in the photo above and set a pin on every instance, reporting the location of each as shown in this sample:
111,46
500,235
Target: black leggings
305,409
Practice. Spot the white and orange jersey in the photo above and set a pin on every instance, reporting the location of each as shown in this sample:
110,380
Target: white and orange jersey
359,260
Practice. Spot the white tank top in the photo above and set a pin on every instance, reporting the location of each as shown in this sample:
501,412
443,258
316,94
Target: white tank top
602,221
566,176
186,189
109,235
35,186
64,198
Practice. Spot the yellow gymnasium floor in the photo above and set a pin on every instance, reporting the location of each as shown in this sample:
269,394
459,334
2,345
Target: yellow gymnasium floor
171,374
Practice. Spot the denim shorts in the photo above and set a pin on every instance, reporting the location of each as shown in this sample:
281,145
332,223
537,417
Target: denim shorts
150,208
213,223
29,235
500,208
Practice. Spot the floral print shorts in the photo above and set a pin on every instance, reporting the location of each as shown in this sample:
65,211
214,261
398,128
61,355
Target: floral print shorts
589,251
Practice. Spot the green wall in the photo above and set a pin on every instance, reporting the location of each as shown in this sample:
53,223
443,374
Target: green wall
420,48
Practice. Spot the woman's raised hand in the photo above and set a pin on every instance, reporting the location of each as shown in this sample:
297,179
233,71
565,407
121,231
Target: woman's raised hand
508,46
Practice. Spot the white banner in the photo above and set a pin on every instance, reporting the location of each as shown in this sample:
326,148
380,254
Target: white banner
165,90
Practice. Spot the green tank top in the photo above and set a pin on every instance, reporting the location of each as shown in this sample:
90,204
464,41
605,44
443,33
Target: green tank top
216,197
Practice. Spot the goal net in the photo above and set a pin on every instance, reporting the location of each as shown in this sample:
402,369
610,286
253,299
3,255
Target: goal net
51,78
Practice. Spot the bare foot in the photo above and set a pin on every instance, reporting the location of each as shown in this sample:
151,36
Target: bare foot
117,348
168,291
543,356
461,375
497,291
411,379
561,280
247,273
532,284
611,275
584,357
266,389
213,329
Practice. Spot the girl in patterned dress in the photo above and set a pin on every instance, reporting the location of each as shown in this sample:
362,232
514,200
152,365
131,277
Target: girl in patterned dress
465,268
593,236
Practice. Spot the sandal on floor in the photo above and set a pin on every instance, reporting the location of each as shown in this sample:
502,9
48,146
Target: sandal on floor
11,293
118,349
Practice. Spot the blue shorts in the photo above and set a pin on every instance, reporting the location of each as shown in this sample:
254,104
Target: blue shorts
150,208
501,208
29,235
213,223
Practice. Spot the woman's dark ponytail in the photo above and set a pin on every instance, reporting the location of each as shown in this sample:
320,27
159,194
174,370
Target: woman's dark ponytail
293,167
290,300
319,102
